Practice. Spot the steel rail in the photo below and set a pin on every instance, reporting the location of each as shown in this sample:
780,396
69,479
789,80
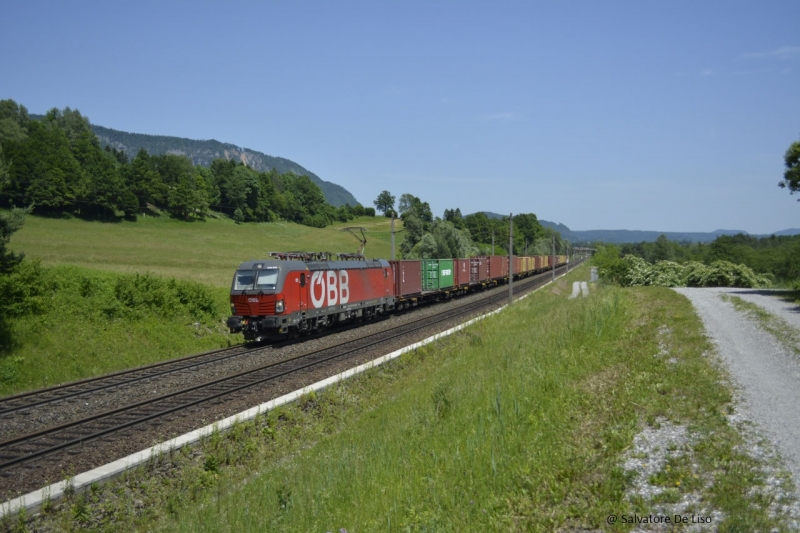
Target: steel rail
35,398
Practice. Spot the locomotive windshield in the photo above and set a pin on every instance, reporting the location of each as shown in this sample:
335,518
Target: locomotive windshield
265,279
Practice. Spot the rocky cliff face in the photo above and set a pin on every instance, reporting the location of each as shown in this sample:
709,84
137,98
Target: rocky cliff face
204,152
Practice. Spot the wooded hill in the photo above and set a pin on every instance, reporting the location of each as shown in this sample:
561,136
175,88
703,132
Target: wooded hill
56,166
204,152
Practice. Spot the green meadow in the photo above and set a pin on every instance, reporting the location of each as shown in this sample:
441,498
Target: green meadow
207,252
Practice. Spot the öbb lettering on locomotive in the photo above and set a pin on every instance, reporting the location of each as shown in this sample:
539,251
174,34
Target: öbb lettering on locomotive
331,283
299,293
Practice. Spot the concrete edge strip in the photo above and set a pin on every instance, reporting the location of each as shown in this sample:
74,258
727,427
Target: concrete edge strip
32,501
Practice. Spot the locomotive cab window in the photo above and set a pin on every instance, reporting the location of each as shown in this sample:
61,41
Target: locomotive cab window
243,280
302,280
267,278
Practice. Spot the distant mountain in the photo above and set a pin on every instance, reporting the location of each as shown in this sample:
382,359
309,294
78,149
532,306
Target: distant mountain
787,232
729,231
621,236
624,236
204,152
560,228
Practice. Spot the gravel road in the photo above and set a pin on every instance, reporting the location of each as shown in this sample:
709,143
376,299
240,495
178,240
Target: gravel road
766,371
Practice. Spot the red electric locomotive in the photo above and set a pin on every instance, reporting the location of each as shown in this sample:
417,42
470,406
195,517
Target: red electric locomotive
298,293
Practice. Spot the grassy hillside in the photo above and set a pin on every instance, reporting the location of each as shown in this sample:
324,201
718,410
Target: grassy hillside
207,252
69,323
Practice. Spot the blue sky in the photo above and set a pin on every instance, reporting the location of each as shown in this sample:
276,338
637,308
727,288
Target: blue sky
670,116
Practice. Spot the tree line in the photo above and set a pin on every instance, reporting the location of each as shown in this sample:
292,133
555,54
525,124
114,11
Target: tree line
456,235
56,166
777,256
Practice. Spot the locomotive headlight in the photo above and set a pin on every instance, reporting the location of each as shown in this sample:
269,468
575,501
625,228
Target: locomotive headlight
279,306
233,309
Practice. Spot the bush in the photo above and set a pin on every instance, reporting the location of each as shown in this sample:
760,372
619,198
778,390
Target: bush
723,274
315,221
102,295
22,291
609,264
634,271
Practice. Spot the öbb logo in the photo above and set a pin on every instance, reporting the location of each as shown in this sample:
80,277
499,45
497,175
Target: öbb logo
335,284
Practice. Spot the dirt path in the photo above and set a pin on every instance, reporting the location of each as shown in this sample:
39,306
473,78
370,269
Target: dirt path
767,372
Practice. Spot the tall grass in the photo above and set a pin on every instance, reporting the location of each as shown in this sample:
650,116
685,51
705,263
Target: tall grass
66,323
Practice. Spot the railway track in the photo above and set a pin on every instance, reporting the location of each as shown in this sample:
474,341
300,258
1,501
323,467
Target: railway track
27,400
23,450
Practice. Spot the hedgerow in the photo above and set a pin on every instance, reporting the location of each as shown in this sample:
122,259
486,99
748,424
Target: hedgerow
34,289
633,271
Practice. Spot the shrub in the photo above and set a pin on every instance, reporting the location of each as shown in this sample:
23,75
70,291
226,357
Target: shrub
635,271
22,291
102,295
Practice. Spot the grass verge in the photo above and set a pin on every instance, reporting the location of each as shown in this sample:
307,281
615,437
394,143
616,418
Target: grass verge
523,421
779,328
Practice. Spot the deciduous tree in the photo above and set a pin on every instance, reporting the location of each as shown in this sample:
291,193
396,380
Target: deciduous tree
8,225
13,121
791,178
384,202
43,170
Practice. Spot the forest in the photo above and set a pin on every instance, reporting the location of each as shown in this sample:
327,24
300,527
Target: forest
56,167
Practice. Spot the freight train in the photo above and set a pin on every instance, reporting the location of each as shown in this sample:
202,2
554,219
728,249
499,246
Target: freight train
297,293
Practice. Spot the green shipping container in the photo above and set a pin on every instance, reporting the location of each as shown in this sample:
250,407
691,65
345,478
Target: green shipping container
446,277
437,274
